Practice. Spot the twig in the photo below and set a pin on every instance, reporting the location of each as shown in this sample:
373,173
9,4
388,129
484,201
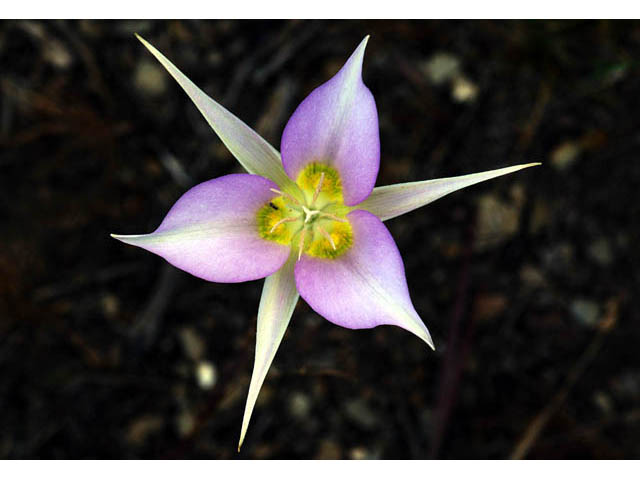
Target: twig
176,170
248,66
537,425
147,323
531,127
456,352
287,50
70,286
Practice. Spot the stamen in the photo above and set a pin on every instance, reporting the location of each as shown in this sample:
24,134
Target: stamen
326,235
332,217
285,194
284,220
301,243
318,189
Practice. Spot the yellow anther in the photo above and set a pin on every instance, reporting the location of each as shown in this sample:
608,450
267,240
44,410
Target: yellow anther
332,217
284,220
326,235
318,189
285,194
301,242
341,236
329,189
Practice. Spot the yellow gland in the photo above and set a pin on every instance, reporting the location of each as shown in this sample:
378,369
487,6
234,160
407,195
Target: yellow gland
311,220
331,187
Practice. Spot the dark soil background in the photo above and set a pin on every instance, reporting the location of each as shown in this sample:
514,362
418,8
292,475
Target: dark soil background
527,282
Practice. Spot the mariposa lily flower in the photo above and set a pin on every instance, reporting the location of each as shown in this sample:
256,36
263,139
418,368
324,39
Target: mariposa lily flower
308,219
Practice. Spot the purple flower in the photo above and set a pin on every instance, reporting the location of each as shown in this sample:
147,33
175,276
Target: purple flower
308,219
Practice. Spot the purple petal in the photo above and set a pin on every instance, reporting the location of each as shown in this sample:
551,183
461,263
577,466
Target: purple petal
337,124
211,231
364,287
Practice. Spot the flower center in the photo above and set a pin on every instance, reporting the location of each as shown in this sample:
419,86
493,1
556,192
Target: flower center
311,220
309,214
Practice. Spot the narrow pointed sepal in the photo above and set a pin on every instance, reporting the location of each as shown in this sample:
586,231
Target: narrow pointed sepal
365,286
279,298
393,200
253,152
212,231
337,125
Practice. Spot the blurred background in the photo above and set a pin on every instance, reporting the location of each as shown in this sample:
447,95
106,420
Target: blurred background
526,282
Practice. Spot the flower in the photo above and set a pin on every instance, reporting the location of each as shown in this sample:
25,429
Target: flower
308,219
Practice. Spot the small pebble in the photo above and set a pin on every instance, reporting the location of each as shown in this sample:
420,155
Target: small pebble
531,276
110,305
362,453
540,216
585,311
600,251
358,453
150,79
192,343
463,90
206,375
359,412
141,428
57,54
498,220
603,401
564,155
328,450
441,67
299,405
488,305
185,422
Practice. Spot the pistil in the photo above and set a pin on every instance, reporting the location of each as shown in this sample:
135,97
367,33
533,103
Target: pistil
308,214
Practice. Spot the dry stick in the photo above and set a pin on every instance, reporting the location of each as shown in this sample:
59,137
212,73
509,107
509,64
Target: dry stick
148,322
69,286
545,93
591,430
537,425
456,352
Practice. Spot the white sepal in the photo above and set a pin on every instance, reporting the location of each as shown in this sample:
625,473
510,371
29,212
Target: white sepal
393,200
253,152
279,298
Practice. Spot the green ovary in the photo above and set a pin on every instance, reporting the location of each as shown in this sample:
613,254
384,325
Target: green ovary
313,220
